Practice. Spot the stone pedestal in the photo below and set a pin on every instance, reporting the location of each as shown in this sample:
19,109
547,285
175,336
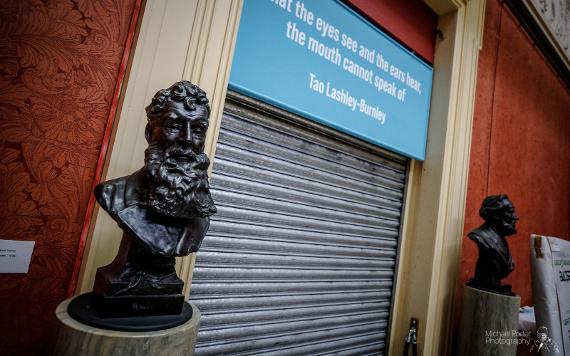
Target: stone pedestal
489,323
75,338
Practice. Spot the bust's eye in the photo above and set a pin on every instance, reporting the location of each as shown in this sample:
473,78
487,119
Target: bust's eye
198,130
173,126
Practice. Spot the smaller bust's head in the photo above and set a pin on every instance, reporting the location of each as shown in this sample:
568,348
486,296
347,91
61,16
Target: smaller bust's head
175,160
499,212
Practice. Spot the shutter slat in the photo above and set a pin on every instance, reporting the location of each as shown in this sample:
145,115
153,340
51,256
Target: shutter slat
336,337
217,290
258,302
287,194
296,184
255,131
298,221
221,321
282,154
223,232
275,164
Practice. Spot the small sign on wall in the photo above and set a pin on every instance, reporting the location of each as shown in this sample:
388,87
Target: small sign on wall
15,256
321,60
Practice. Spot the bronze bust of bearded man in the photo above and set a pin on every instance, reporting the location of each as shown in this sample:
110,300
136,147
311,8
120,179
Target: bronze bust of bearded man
495,261
163,209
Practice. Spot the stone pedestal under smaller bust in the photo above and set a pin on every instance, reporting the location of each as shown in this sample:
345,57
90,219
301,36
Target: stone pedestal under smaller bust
76,338
489,323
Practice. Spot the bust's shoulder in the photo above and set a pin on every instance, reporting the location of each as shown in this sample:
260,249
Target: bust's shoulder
111,194
117,194
484,236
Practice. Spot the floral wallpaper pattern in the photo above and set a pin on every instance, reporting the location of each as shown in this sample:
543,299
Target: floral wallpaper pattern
59,63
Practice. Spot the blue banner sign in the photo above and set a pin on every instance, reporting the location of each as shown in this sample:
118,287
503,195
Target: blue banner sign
321,60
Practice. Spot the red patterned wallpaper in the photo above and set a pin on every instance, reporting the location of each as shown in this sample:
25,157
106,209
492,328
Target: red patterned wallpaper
59,63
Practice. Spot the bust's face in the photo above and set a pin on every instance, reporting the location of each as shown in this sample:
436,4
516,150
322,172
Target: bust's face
508,218
176,163
180,127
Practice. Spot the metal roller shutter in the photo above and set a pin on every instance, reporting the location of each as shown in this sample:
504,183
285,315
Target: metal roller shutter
300,258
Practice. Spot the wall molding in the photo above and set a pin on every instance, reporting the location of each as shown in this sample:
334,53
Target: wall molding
208,64
540,21
434,216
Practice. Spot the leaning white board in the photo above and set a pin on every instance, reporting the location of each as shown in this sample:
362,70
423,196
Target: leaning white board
550,257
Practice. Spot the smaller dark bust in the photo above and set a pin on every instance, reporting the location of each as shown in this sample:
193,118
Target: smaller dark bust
495,261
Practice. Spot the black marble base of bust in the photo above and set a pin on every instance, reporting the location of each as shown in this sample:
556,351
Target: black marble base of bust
138,305
87,308
504,289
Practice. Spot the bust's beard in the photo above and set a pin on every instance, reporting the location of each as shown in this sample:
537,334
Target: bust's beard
178,182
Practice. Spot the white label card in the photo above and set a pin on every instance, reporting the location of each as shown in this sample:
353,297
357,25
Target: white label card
15,256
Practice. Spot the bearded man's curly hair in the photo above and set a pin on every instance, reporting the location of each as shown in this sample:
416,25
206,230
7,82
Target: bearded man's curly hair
184,91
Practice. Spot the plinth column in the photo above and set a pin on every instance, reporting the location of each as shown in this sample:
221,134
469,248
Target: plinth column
75,338
489,323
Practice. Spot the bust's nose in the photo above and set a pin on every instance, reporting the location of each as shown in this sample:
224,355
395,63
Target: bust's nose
187,134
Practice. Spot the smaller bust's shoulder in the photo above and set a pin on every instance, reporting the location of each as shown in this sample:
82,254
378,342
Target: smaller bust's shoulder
111,195
482,236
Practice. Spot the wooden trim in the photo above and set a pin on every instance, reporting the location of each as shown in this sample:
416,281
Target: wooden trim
435,212
397,317
208,64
